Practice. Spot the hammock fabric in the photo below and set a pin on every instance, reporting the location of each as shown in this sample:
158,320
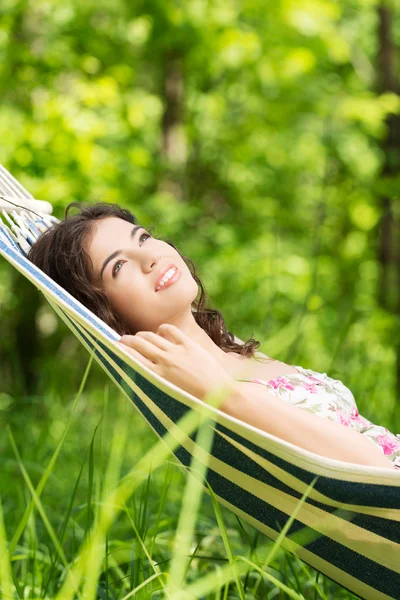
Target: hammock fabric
349,526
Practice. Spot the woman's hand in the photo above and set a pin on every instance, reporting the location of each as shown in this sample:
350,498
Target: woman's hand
183,362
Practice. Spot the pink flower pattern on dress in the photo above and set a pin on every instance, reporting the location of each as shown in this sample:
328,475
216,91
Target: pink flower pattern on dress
281,382
310,387
330,398
315,379
389,446
343,418
357,419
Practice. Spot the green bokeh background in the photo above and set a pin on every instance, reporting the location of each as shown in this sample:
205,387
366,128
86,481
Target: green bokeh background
254,135
261,137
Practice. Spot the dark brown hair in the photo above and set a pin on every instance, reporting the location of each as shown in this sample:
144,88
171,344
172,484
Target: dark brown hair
60,253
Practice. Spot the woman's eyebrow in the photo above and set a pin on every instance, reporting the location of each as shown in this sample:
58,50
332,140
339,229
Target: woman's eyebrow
114,254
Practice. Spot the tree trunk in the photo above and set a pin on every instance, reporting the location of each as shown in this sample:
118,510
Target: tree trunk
389,246
173,142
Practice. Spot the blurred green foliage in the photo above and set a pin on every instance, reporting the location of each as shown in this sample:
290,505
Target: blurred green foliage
250,134
258,136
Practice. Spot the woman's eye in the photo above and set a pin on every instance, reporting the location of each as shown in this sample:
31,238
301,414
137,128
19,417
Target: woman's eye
117,267
119,263
146,234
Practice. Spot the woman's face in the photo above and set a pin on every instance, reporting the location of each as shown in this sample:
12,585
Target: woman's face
128,263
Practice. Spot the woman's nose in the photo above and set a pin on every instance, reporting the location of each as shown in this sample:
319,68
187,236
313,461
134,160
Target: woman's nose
154,261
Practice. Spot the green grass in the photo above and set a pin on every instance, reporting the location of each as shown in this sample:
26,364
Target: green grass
93,505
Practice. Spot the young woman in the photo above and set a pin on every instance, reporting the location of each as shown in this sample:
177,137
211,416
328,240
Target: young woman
146,290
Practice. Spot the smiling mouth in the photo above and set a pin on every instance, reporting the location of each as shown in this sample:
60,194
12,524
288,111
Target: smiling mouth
169,278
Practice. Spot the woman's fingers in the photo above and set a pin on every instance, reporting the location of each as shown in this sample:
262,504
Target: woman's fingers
172,333
154,338
144,347
139,357
156,347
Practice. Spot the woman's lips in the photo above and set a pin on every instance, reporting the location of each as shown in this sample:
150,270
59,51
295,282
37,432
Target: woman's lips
171,280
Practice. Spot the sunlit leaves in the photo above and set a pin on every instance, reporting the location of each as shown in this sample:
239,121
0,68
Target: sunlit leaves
278,138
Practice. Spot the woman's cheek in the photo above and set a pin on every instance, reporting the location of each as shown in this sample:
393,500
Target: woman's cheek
118,295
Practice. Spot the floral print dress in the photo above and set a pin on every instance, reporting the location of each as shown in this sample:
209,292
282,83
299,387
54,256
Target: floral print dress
330,398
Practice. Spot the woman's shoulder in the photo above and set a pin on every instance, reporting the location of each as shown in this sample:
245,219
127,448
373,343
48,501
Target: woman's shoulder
297,377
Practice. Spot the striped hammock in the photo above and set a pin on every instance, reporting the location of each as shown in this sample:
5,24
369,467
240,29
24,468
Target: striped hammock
349,526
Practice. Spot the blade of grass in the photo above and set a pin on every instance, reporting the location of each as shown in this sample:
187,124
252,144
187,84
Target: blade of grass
64,525
193,554
38,503
6,579
106,567
218,590
142,585
316,585
252,546
89,509
33,544
308,576
226,591
190,505
94,557
290,565
151,460
208,583
153,565
161,504
113,567
286,528
282,586
144,498
46,474
225,539
101,459
137,563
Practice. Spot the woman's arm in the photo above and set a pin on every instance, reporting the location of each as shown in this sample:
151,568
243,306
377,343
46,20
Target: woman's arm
253,404
173,355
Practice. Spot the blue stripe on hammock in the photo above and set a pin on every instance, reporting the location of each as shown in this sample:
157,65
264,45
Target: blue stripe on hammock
7,235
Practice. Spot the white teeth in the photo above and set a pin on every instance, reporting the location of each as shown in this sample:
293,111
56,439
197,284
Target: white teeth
166,277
